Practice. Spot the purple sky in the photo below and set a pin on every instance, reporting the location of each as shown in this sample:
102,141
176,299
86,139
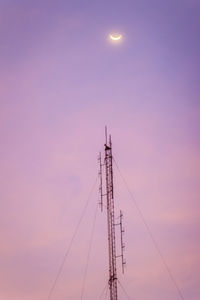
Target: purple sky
61,81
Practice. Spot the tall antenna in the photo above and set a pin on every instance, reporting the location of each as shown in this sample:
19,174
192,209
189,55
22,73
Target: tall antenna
108,164
100,186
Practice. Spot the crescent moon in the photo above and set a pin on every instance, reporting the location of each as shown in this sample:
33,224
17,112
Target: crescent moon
115,37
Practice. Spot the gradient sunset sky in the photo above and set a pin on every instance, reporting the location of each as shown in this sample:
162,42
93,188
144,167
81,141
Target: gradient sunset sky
61,82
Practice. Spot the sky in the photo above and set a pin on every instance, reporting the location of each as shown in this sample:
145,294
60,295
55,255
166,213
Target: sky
61,82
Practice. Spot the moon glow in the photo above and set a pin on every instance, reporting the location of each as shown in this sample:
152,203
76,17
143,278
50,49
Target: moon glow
115,37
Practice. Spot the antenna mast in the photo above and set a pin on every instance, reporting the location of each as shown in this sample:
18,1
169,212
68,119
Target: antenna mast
108,164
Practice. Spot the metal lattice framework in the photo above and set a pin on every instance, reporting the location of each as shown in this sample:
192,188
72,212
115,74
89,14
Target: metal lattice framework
111,221
108,164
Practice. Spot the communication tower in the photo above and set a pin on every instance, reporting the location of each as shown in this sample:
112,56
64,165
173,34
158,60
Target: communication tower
107,164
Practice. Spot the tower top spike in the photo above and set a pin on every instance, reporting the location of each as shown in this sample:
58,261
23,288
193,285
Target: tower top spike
106,135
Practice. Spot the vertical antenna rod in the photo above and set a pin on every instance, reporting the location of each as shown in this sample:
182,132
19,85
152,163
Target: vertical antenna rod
110,219
100,186
122,243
